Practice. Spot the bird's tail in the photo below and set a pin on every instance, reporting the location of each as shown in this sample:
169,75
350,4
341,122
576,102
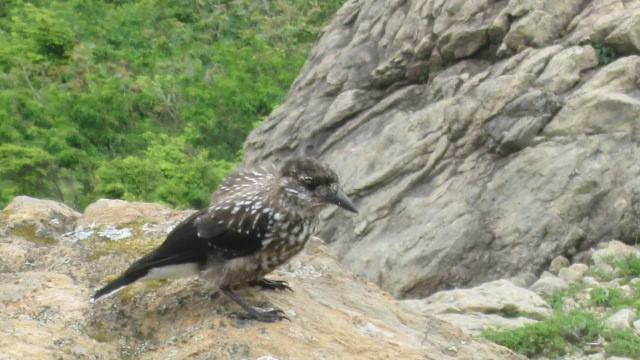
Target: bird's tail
155,266
117,284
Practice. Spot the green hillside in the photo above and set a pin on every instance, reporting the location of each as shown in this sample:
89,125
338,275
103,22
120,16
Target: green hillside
143,99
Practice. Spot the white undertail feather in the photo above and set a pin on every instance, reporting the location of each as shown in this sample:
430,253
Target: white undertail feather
171,272
165,272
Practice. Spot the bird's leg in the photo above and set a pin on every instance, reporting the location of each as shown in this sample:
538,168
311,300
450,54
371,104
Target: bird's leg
267,284
253,313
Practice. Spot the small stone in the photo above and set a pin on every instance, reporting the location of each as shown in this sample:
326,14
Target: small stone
621,319
579,268
547,274
584,295
636,325
548,285
558,263
613,283
590,281
583,257
569,275
524,279
605,268
569,304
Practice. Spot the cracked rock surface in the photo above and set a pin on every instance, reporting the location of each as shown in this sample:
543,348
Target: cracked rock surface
479,139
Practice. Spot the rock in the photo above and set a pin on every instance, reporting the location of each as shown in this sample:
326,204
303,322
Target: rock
622,319
595,101
568,305
467,165
536,23
548,285
522,120
611,252
120,213
636,325
590,281
564,69
495,304
38,220
46,314
558,263
626,290
569,275
547,274
523,280
572,273
579,268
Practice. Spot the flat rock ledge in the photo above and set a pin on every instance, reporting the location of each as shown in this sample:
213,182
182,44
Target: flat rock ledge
46,313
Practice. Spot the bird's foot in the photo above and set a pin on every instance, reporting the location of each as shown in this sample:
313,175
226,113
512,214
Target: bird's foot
267,284
251,312
261,315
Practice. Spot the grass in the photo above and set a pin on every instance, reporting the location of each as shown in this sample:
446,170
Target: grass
555,336
611,297
564,333
606,54
628,267
622,342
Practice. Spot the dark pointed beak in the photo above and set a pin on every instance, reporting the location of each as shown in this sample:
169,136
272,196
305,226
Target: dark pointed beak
341,199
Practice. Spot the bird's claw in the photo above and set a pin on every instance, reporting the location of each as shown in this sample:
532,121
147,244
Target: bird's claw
261,315
267,284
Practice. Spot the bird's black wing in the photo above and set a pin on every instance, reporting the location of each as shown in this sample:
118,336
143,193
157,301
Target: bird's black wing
221,233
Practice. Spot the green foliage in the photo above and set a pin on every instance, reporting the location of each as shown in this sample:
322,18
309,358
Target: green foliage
622,342
608,297
143,99
606,54
628,267
556,300
554,336
25,170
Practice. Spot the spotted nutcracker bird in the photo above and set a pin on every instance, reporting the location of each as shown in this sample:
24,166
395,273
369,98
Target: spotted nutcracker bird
257,221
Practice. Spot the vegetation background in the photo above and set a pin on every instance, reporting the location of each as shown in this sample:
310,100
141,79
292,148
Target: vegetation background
141,99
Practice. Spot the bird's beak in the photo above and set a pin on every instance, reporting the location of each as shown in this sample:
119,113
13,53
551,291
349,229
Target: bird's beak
340,198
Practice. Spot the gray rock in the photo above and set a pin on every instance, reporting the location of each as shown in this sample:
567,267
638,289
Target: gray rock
572,273
611,252
569,275
579,268
558,263
523,280
548,285
590,281
40,219
468,167
494,304
622,319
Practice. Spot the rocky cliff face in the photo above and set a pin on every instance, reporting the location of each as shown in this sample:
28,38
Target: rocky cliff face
479,139
53,258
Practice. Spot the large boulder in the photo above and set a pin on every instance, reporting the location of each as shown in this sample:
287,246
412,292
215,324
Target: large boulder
480,140
46,313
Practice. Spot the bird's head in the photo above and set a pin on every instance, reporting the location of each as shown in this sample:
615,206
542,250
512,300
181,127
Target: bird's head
312,183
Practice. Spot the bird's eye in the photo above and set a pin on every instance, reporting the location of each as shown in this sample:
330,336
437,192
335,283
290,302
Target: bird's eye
308,182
